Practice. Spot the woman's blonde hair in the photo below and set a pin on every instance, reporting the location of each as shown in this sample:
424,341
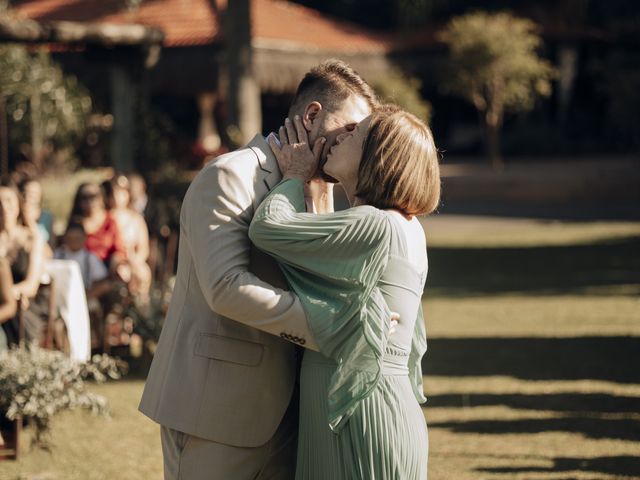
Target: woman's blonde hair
399,167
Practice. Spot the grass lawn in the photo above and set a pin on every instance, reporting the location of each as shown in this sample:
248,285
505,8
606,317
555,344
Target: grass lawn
531,373
534,346
84,447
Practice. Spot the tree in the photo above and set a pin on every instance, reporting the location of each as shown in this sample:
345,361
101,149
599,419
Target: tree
493,63
45,108
396,87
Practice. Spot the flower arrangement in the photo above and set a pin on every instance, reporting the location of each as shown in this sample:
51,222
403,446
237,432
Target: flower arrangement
35,384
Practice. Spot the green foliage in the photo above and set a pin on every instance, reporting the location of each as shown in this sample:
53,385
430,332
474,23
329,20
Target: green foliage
46,108
396,87
37,383
493,61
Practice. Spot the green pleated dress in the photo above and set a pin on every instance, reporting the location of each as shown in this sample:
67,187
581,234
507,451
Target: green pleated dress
360,416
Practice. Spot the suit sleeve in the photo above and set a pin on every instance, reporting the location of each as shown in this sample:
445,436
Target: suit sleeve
215,220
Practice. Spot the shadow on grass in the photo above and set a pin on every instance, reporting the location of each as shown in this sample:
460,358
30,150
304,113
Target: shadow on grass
596,428
594,358
533,270
559,402
618,465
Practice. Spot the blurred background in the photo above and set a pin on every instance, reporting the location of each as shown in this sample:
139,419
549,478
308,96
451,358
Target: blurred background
532,302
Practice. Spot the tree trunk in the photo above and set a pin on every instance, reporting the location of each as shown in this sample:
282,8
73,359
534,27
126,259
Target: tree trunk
243,95
122,105
492,141
207,129
567,68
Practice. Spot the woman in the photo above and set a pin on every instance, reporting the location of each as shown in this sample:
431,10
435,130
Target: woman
8,304
33,215
103,236
24,250
359,402
134,232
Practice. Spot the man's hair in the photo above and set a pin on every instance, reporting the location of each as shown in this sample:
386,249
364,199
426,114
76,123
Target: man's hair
330,84
399,166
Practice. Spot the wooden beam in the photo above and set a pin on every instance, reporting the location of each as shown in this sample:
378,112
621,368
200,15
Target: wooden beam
30,31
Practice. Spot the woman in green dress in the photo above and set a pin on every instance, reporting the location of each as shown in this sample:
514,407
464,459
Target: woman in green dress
360,416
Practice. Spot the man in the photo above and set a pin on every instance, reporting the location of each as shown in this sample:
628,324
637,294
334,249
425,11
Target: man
222,380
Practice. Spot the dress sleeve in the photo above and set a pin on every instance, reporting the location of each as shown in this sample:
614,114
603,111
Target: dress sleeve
418,349
333,263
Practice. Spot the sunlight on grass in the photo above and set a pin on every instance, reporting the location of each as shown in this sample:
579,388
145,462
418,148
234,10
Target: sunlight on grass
537,316
534,334
84,447
468,231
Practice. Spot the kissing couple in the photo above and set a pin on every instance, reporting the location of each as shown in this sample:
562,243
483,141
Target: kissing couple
293,343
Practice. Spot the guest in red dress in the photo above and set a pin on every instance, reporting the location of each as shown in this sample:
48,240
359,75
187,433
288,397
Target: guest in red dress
103,236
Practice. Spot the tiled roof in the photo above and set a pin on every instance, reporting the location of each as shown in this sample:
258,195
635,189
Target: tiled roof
285,23
276,23
177,18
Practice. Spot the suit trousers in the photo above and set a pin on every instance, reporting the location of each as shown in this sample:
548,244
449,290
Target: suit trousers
192,458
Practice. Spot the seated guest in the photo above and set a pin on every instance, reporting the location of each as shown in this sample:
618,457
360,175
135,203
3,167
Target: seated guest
24,250
94,273
134,232
8,304
138,193
102,232
33,215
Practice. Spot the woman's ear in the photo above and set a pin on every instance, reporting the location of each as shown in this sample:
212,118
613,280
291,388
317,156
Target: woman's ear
311,112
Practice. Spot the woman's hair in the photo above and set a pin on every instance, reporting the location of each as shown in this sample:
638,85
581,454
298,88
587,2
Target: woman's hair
24,182
77,214
119,180
8,183
399,167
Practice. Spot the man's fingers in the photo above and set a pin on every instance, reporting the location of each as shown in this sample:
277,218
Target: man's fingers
291,131
282,133
300,130
274,145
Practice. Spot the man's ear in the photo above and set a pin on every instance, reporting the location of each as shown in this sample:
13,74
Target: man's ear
311,112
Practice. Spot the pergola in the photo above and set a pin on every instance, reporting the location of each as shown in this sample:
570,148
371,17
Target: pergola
176,46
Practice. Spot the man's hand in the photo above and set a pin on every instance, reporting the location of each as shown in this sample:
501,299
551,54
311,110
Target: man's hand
295,157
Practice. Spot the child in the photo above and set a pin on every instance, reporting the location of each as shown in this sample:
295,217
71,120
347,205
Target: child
94,272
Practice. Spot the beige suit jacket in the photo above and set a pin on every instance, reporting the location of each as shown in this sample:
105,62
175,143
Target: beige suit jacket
223,370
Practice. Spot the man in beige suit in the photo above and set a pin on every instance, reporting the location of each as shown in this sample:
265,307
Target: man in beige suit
222,380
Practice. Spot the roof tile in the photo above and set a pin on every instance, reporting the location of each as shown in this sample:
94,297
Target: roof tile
276,23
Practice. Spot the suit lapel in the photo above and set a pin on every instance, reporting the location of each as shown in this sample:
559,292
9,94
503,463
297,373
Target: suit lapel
266,159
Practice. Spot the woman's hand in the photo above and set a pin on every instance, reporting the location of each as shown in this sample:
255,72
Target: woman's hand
295,157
